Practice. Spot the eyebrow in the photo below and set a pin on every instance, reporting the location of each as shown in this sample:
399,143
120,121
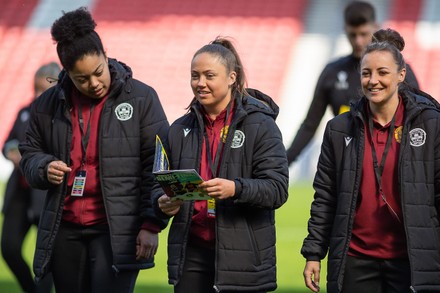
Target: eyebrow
85,75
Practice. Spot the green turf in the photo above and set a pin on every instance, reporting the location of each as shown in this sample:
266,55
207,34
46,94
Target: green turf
291,222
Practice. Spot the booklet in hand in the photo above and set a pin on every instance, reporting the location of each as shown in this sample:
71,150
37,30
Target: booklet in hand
177,184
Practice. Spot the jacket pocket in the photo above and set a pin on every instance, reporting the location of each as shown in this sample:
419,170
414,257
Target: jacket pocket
254,245
436,223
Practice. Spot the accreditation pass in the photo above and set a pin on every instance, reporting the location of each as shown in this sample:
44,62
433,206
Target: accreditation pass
79,183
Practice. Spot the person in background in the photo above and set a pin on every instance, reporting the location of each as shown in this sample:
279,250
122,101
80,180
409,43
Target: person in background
91,142
22,204
376,208
227,243
339,83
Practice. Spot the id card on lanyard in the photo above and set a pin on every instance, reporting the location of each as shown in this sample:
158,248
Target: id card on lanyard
214,166
79,183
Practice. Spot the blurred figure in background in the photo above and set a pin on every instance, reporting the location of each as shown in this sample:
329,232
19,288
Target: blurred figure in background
339,82
23,204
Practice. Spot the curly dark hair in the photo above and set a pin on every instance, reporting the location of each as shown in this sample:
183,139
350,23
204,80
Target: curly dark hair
75,35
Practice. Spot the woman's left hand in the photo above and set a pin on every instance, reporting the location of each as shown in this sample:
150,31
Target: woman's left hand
219,188
146,244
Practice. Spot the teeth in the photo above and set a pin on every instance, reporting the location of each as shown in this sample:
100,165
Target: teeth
374,90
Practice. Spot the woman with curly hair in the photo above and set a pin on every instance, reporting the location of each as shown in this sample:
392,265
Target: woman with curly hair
90,142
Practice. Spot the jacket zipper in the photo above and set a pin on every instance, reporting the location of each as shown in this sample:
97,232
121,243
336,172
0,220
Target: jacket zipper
63,194
359,149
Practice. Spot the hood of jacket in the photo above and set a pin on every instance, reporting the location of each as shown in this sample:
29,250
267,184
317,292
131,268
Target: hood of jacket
257,101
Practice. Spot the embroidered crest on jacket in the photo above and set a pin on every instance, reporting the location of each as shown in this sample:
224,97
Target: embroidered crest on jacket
417,137
238,139
124,111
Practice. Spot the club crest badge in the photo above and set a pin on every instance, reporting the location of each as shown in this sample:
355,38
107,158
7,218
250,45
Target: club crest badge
398,134
417,137
238,139
124,111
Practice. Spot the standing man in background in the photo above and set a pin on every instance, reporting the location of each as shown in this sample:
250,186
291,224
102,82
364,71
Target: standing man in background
23,204
339,82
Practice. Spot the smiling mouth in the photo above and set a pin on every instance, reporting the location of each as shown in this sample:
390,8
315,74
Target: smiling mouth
374,90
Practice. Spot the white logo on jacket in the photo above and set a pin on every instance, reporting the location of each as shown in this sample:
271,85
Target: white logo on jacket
348,140
342,83
417,137
238,139
124,111
186,131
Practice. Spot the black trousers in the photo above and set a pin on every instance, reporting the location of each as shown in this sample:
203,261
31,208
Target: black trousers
82,262
16,225
376,276
198,272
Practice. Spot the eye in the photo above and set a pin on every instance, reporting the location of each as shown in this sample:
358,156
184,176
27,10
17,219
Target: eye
194,76
81,80
365,73
99,73
210,75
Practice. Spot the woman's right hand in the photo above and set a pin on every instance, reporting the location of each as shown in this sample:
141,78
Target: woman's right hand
168,206
312,275
56,171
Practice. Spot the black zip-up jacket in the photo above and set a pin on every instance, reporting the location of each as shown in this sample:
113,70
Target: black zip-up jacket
254,156
16,135
131,117
337,86
15,190
337,184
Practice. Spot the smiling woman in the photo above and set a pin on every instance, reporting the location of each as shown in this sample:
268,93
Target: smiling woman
372,217
75,147
237,147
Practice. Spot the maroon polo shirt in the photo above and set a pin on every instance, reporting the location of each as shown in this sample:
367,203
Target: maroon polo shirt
87,209
202,231
377,232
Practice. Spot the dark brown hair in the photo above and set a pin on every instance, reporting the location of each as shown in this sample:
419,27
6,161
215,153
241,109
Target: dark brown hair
75,35
391,41
357,13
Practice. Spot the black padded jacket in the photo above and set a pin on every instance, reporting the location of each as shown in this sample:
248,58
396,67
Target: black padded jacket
131,117
337,184
254,156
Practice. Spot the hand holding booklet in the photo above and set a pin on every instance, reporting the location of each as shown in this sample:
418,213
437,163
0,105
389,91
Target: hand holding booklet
177,184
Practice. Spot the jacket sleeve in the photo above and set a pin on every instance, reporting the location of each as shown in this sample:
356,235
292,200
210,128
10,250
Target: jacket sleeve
313,118
154,122
13,138
34,159
323,207
437,169
268,187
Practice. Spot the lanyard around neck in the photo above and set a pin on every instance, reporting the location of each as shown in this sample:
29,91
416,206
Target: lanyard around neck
214,165
378,169
84,136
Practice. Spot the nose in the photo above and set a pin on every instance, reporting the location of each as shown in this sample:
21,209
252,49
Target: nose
201,82
373,78
94,82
